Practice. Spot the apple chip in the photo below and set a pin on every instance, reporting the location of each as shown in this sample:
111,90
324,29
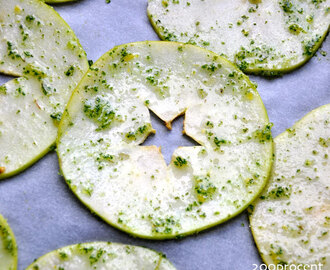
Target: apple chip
266,37
39,48
102,255
291,220
8,249
129,185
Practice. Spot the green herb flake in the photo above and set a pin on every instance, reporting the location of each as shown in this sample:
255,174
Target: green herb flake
56,116
180,162
264,135
310,46
295,29
163,225
287,6
100,111
29,18
3,90
70,71
279,192
204,188
7,240
218,142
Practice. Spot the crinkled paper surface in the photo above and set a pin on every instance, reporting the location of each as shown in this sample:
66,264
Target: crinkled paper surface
45,215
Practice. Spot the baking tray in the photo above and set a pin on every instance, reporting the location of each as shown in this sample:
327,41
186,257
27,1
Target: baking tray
45,215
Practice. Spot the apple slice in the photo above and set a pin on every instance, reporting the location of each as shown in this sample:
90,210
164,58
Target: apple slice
261,36
40,48
102,255
8,248
130,186
291,220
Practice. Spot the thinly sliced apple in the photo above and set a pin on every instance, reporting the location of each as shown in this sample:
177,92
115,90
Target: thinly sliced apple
102,255
261,36
129,185
39,47
8,248
291,220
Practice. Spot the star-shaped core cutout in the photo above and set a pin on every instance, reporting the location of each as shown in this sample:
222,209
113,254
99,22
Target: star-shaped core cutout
168,139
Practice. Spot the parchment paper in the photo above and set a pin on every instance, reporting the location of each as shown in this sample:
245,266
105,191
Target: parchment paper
45,215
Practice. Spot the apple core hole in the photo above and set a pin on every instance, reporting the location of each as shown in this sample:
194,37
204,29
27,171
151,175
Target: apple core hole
168,140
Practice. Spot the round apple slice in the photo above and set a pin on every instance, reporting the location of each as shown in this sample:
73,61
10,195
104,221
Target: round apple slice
40,48
8,248
291,220
102,255
129,185
261,36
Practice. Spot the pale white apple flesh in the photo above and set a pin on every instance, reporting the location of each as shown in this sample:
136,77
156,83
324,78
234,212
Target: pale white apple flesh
40,48
130,186
102,256
262,37
8,248
291,220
